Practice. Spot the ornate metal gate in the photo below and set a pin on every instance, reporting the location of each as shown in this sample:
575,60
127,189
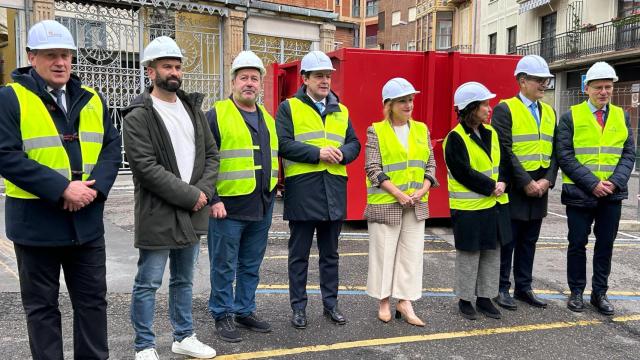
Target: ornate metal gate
272,49
110,39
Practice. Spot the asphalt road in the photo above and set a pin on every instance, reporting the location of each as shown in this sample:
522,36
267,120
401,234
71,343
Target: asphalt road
529,333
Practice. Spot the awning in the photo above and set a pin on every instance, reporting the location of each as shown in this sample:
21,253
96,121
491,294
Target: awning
531,4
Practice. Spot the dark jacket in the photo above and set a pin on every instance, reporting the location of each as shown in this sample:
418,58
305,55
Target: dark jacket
319,195
580,194
43,222
250,207
163,202
521,206
478,229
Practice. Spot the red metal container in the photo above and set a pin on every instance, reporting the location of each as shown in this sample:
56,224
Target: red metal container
358,81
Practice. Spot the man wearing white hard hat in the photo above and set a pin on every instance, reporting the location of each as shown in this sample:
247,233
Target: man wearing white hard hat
59,157
242,204
316,141
477,176
174,162
526,126
595,151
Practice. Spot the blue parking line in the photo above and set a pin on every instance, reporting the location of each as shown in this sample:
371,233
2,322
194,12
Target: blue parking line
448,294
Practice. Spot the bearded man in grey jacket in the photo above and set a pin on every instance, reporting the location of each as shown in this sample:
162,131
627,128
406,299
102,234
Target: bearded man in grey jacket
174,161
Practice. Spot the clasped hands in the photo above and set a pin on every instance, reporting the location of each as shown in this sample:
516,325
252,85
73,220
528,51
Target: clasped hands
78,194
331,155
537,188
406,200
604,188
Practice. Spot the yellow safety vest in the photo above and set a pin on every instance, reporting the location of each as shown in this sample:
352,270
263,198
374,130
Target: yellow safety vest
43,144
532,146
596,148
404,167
237,166
309,129
460,197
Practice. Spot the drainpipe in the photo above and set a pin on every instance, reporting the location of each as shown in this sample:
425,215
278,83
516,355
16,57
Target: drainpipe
474,18
245,32
27,15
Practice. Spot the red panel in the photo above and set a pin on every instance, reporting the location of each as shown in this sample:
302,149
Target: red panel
358,82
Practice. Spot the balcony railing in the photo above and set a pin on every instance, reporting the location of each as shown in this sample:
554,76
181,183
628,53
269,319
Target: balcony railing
610,36
372,9
460,48
371,41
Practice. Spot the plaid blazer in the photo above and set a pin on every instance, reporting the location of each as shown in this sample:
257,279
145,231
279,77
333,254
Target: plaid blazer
391,214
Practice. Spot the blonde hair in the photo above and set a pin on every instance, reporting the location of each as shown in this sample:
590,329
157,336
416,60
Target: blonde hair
386,109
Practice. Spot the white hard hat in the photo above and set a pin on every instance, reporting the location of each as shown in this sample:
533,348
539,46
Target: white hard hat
316,61
247,59
161,47
50,34
533,65
600,70
397,87
470,92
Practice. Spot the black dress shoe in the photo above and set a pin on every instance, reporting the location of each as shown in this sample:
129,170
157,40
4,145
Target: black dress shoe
505,300
299,319
335,315
575,302
530,298
601,303
466,310
486,307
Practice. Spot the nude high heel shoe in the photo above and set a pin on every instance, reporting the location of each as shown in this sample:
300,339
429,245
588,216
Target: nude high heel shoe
412,319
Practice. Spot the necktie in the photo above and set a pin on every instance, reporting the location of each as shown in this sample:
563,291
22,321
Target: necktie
57,93
600,117
320,106
534,111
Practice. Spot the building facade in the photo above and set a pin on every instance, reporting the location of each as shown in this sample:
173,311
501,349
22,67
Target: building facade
397,25
110,36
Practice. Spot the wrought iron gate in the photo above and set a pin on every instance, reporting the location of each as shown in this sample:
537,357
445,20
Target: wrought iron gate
110,39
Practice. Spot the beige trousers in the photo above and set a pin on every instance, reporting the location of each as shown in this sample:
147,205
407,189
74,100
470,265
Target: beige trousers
395,258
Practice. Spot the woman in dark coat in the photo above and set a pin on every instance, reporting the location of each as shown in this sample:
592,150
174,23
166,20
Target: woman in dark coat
476,182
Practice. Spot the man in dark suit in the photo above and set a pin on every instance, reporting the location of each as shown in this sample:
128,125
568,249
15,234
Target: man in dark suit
526,128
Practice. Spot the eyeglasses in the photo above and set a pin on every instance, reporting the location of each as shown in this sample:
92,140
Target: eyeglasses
539,80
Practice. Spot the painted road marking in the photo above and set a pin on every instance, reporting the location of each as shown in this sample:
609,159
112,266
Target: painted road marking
619,232
423,338
445,292
6,250
545,246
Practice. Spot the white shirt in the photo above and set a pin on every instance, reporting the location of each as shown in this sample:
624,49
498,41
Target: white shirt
176,120
323,101
402,132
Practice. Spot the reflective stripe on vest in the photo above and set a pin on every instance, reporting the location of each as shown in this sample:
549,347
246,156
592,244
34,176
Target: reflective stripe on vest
237,164
42,142
532,146
597,149
309,129
405,168
460,197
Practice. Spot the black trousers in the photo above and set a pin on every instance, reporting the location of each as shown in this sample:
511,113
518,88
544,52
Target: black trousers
85,276
607,218
299,248
522,249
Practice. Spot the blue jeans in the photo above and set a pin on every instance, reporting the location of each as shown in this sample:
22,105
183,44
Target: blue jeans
236,249
151,266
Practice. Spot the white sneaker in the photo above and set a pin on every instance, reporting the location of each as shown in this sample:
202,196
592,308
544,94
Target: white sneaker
191,346
147,354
